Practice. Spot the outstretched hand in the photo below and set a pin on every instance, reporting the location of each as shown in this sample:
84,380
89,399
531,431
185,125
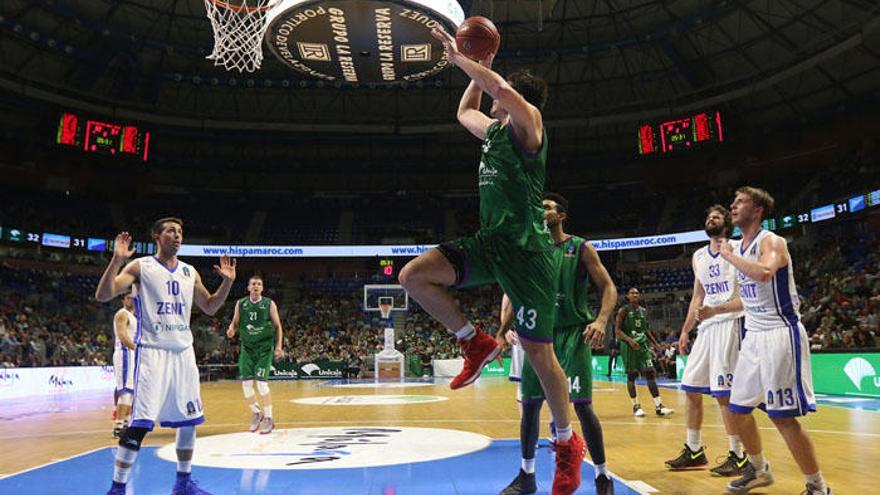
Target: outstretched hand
122,248
226,268
449,44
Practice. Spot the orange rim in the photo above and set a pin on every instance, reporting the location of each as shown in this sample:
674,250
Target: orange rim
242,8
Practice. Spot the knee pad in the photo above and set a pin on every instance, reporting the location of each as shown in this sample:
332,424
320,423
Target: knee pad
263,387
247,386
186,438
132,437
124,399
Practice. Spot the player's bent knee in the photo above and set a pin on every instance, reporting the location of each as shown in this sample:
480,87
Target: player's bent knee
263,387
132,437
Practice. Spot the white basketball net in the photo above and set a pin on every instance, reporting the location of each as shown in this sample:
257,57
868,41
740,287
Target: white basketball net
239,26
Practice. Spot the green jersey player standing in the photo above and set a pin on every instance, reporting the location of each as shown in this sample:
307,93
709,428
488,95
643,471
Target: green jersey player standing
634,335
512,248
575,331
259,327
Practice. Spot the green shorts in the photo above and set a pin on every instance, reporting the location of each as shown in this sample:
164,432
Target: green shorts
529,278
636,359
576,359
255,363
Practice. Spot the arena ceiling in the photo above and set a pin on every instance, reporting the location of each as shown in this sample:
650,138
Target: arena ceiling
610,63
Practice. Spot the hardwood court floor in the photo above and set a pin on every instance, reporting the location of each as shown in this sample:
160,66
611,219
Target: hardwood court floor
847,440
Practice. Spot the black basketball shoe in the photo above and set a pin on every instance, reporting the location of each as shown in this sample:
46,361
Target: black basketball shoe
688,459
523,484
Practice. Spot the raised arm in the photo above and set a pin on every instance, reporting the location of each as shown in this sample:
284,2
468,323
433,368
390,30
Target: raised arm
113,282
774,255
210,303
279,334
595,331
233,325
526,118
469,113
120,325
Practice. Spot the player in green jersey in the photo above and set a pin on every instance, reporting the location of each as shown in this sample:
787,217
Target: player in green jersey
512,248
259,327
633,332
576,331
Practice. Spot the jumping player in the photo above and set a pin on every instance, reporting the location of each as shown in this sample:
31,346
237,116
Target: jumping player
773,371
513,246
166,377
259,326
713,358
576,331
631,328
124,325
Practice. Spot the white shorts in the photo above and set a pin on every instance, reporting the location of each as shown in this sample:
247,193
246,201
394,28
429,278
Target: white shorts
774,373
166,389
517,358
123,369
710,365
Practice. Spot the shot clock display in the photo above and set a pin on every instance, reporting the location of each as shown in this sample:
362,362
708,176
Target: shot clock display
107,138
680,134
386,267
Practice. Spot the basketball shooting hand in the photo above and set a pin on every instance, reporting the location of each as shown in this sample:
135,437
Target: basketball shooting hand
594,334
452,53
487,62
226,268
122,249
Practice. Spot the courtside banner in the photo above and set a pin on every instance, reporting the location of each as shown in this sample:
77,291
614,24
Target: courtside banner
16,383
847,374
200,250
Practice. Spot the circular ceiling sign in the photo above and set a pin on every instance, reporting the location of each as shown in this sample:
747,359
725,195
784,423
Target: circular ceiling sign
362,41
330,448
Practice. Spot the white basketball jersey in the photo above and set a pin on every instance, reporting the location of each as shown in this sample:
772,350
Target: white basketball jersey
163,304
772,304
718,278
132,325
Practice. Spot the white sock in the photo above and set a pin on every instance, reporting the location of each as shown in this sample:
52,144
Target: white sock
735,445
693,440
601,469
255,408
758,461
563,434
528,465
267,411
816,480
466,332
634,400
184,466
657,402
125,456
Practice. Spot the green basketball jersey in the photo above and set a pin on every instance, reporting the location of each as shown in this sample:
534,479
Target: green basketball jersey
254,324
512,189
574,282
636,323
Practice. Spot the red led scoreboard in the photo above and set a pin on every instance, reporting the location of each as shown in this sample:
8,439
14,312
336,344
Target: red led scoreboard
681,134
108,138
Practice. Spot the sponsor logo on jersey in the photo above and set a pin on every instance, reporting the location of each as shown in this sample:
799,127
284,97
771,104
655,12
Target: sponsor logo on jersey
186,271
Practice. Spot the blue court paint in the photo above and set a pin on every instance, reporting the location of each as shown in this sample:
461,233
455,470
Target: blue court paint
480,473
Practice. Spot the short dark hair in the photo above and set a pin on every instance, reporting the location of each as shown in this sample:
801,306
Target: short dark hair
760,198
728,220
530,86
256,276
156,229
561,202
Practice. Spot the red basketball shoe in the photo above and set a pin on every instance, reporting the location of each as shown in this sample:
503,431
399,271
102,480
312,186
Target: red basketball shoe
569,457
478,351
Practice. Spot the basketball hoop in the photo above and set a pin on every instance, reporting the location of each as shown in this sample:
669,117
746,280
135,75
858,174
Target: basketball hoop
239,26
385,309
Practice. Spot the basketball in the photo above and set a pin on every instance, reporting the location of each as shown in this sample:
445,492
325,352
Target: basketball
477,38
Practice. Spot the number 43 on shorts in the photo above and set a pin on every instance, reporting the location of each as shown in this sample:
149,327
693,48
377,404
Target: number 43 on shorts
527,318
